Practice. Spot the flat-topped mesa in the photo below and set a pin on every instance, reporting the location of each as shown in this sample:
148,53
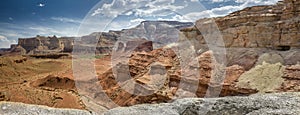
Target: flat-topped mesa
103,41
41,44
44,45
269,26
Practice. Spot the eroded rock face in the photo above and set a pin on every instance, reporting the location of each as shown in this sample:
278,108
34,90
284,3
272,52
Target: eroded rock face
18,49
291,78
243,57
162,67
134,45
262,29
43,45
40,43
159,73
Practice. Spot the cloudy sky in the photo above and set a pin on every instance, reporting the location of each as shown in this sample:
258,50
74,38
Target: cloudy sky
28,18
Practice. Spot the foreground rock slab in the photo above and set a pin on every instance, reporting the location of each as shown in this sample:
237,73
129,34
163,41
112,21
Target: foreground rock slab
259,104
11,108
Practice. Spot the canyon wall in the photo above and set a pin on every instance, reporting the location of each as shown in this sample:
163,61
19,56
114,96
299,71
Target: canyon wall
274,26
262,55
252,33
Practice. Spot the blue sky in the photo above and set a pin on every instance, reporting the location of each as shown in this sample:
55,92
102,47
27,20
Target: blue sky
28,18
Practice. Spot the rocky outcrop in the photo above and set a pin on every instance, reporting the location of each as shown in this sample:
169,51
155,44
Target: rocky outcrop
266,104
44,45
18,49
67,44
55,83
40,43
261,29
158,73
161,72
291,78
264,78
263,104
51,55
10,108
134,45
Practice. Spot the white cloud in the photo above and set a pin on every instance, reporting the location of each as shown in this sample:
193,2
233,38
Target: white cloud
102,18
105,14
219,0
66,20
140,7
258,2
225,10
2,37
41,5
5,43
118,6
160,8
137,20
215,12
58,31
14,31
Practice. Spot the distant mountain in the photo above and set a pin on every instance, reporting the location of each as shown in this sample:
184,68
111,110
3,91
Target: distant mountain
157,31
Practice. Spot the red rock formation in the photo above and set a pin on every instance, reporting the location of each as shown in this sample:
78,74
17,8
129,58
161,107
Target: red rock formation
260,29
161,67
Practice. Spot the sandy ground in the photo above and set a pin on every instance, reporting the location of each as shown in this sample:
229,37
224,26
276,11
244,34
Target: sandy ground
42,81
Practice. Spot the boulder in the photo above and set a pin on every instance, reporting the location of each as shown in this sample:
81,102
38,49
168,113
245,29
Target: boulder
271,58
264,78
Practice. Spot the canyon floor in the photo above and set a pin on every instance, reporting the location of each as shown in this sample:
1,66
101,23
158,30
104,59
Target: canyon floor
47,82
50,82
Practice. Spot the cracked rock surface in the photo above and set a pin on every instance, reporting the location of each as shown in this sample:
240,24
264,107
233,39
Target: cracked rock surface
258,104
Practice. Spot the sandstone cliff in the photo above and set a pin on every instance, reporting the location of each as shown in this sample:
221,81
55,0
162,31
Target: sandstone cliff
273,26
42,45
253,32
